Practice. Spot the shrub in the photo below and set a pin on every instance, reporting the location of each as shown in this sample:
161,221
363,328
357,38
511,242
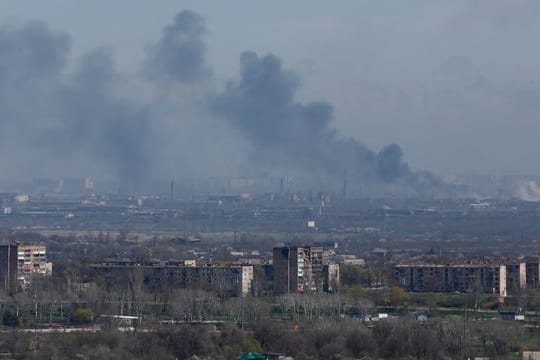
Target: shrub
82,316
10,317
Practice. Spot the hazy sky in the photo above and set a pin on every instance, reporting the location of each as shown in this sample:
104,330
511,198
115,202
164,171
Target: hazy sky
454,83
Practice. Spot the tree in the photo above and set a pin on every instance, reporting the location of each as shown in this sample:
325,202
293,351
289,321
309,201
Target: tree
358,341
10,317
82,316
398,296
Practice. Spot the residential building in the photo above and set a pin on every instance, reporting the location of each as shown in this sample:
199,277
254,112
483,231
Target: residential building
8,268
516,277
452,278
302,269
331,277
532,266
224,280
32,262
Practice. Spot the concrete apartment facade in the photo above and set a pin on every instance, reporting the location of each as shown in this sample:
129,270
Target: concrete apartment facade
302,269
32,262
224,280
8,268
532,269
516,277
451,278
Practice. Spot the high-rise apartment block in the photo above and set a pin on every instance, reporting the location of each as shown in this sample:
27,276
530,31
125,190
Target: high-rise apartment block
516,279
32,262
302,269
532,270
8,268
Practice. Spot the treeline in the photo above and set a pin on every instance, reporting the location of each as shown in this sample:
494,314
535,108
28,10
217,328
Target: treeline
340,339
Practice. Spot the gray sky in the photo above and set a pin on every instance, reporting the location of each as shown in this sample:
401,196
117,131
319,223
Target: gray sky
454,83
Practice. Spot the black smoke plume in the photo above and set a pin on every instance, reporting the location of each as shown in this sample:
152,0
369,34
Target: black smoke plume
117,130
64,121
91,120
180,53
294,137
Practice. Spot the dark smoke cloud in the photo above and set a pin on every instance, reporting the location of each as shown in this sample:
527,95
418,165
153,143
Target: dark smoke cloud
180,53
390,164
95,119
32,58
287,135
31,52
116,130
63,119
261,104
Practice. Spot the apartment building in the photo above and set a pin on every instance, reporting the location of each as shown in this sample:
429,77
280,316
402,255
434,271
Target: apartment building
451,278
303,269
532,269
8,268
223,280
516,277
32,262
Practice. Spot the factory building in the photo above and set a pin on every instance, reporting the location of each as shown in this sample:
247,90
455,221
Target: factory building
303,269
225,281
451,278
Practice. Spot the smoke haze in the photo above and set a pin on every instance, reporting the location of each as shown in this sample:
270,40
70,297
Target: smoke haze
180,54
175,116
291,137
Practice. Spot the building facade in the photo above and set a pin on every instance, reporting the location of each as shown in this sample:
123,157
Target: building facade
32,262
225,281
331,277
451,278
516,277
302,269
8,268
532,269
